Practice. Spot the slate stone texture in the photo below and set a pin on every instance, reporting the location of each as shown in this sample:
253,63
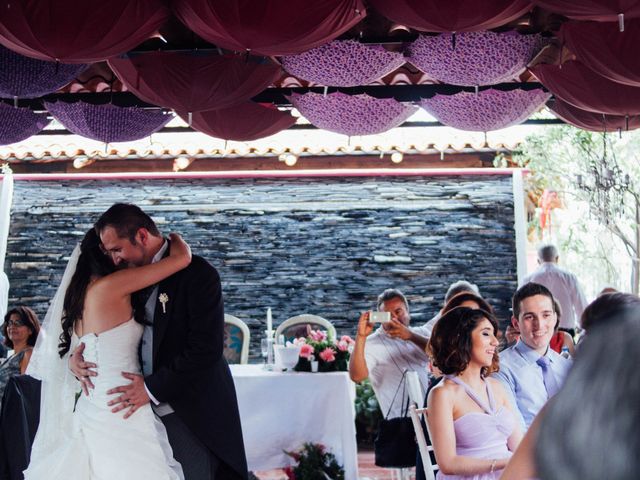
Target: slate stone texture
325,246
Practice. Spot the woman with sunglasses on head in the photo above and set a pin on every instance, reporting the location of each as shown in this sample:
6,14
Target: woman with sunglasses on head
20,330
472,425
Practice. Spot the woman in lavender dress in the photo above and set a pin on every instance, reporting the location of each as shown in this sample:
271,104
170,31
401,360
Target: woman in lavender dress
472,426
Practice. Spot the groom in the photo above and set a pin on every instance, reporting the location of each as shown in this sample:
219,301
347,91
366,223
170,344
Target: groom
185,376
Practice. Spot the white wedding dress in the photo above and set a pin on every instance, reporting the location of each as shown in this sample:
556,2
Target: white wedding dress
103,445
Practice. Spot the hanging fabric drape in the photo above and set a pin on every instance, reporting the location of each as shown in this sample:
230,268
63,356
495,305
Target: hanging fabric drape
194,82
583,88
594,122
452,15
605,49
6,199
598,10
269,27
243,122
77,31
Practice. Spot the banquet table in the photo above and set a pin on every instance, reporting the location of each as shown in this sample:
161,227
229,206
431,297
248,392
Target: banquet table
282,410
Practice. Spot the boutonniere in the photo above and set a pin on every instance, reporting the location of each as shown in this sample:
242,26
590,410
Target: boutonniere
163,298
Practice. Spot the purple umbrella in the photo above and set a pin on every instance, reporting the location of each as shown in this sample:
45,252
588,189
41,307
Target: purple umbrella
108,123
474,58
17,124
343,63
25,77
487,110
352,114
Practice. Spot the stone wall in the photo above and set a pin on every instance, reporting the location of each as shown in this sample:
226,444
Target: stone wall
325,246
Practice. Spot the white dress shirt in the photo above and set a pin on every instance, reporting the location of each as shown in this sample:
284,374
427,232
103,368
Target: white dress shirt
565,289
387,358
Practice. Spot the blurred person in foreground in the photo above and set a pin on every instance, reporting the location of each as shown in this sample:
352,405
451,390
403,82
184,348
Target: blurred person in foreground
600,438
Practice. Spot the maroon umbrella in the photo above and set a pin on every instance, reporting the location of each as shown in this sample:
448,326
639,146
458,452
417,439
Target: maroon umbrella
598,10
269,27
452,15
194,82
17,124
605,49
583,88
77,31
595,122
243,122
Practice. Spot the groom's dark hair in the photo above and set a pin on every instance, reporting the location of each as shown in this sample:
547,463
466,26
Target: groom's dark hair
127,219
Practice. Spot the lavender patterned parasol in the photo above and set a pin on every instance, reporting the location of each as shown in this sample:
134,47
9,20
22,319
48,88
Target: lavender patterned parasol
108,123
343,63
17,124
487,110
477,58
352,114
25,77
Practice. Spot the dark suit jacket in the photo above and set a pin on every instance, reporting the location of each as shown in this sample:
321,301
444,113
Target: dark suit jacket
189,369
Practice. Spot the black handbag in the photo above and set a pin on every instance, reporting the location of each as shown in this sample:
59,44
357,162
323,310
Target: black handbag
395,444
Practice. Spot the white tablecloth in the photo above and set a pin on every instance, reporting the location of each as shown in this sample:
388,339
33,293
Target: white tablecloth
281,411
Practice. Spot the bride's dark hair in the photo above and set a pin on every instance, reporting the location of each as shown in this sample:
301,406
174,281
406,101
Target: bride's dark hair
91,262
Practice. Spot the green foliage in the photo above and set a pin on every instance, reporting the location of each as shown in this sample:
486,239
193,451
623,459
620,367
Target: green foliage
314,463
368,413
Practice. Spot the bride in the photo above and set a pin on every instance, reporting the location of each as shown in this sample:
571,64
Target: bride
79,438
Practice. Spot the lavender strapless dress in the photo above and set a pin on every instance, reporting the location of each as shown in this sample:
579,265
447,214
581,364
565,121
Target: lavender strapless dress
481,435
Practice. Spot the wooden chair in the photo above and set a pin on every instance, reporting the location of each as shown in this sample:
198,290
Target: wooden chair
300,325
236,340
426,450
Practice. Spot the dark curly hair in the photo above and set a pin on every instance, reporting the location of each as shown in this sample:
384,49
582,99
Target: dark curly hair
450,343
29,318
91,262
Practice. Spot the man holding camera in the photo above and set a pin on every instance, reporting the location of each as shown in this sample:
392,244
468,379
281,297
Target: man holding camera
384,355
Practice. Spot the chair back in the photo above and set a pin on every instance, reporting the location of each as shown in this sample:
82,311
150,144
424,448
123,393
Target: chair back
236,340
414,387
424,447
300,325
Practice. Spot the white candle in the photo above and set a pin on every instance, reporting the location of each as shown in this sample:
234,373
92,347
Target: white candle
269,322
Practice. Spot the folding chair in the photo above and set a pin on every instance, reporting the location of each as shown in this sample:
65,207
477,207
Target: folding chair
430,467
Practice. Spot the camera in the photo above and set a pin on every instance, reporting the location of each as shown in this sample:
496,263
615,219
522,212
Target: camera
379,317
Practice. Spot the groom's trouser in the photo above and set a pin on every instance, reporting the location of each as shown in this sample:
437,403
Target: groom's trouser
198,462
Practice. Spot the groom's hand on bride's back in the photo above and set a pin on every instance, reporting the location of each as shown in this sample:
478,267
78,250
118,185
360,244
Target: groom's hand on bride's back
81,369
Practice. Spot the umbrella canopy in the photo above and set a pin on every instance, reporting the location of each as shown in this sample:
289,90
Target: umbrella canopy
108,123
486,110
580,86
475,58
595,122
352,114
269,27
194,82
243,122
605,49
77,31
343,63
452,15
17,124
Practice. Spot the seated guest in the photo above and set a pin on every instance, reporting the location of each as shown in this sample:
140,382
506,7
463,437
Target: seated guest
511,335
530,369
473,425
456,288
469,300
20,330
561,339
600,438
384,355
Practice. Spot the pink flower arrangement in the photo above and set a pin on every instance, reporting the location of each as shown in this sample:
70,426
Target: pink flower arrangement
328,354
306,351
331,355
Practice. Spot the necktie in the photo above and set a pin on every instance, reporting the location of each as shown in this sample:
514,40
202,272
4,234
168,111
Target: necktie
550,383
